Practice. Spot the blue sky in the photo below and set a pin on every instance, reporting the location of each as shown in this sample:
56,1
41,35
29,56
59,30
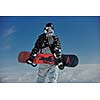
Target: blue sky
78,35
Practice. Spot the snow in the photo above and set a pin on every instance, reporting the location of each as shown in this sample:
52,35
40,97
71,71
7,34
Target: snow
85,73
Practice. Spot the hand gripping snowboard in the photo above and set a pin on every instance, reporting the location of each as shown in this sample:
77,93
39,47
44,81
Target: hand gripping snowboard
68,60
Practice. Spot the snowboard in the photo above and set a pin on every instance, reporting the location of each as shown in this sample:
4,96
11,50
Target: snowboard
68,60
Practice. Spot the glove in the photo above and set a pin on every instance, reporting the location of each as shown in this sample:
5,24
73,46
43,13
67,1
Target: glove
59,64
57,53
30,60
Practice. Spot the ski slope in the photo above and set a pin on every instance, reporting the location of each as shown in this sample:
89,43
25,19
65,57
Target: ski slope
81,74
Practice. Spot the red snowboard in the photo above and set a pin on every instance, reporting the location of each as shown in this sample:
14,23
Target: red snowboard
68,60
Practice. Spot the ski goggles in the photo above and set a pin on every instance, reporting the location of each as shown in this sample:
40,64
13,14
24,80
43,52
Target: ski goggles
49,27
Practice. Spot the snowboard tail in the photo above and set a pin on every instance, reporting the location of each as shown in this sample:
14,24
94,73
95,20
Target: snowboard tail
68,60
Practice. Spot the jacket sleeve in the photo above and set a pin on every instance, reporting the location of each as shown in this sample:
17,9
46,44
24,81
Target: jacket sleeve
57,48
38,44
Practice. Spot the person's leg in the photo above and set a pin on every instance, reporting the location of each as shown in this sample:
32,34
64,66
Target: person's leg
53,74
42,73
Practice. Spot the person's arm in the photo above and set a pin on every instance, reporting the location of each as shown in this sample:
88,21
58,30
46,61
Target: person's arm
37,45
57,48
36,49
58,53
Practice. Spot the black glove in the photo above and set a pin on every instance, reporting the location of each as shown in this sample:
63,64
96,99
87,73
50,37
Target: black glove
30,60
59,64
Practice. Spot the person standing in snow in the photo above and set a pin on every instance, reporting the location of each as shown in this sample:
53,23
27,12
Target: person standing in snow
48,42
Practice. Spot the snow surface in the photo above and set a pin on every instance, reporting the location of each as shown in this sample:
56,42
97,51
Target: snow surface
85,73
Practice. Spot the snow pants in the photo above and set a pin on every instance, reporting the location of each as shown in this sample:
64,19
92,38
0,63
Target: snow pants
47,71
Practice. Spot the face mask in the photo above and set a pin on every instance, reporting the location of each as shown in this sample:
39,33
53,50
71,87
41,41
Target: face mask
49,32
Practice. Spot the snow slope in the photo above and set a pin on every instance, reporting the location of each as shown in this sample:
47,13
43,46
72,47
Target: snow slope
80,74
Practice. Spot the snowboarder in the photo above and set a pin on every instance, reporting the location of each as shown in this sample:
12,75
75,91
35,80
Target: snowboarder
48,42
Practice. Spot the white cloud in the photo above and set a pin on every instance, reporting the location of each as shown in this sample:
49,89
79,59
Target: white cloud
10,31
6,47
6,42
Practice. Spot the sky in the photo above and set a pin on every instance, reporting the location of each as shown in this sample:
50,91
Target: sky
79,35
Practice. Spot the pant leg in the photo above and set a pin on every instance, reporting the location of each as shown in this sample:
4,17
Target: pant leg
42,73
53,74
